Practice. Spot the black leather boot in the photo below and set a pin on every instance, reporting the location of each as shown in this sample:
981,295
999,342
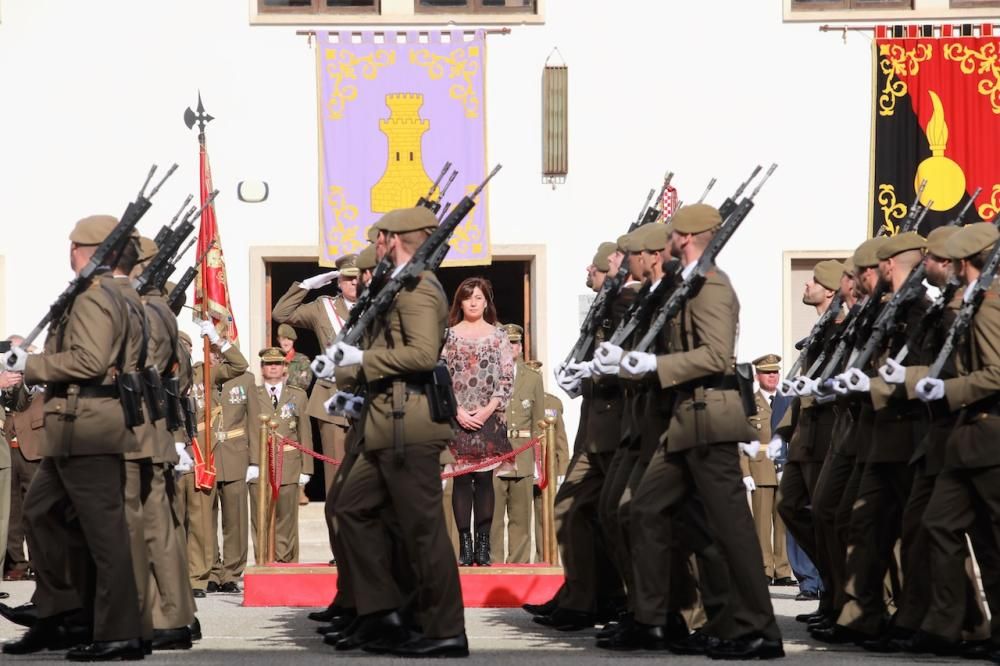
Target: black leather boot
465,548
483,548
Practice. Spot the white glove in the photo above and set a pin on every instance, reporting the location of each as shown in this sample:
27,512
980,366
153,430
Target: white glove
751,449
303,479
930,389
186,463
839,384
253,473
579,371
320,280
787,387
344,355
774,447
892,372
750,485
607,358
346,404
209,331
857,381
15,360
322,366
803,386
638,363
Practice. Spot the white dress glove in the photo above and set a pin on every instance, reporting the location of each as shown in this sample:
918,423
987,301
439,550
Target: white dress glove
607,358
892,372
857,381
787,388
186,463
209,331
321,280
751,449
839,384
303,479
750,485
579,371
253,473
638,364
803,386
774,447
930,389
15,360
344,355
346,404
322,366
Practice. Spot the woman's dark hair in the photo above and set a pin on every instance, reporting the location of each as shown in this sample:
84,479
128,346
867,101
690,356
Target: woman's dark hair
464,291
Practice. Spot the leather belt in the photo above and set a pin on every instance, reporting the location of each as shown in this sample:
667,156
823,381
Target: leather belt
519,434
230,434
102,391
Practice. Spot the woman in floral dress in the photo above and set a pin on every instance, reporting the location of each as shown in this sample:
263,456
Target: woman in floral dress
481,362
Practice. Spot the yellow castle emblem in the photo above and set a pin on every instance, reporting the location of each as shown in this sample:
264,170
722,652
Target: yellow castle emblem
404,180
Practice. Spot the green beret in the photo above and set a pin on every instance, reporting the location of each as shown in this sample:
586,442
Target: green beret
632,241
514,332
937,239
407,219
849,266
899,243
93,230
372,233
866,256
655,238
272,355
147,249
286,331
971,240
600,260
348,265
366,259
827,274
768,363
696,218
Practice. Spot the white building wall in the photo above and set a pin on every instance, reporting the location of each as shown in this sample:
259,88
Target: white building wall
93,92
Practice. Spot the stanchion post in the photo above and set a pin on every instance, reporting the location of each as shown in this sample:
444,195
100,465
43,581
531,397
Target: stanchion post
262,490
543,451
550,487
272,514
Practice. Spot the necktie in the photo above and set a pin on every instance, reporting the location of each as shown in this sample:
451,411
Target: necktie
274,397
770,400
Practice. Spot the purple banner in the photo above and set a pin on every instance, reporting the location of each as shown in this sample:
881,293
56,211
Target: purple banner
390,115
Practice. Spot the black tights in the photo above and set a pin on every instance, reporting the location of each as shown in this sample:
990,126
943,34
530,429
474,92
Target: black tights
470,491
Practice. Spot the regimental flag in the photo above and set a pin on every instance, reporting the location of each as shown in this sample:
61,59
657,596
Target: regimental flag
936,116
211,294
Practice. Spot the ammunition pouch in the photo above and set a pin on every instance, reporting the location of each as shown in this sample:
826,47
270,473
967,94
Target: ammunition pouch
130,395
744,384
441,395
190,414
175,408
156,400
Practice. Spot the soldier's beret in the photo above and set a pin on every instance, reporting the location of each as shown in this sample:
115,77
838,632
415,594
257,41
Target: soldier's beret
827,273
514,332
655,237
970,240
904,242
272,355
147,249
348,265
366,259
937,239
632,241
286,331
866,256
696,218
849,266
407,219
600,260
93,230
372,233
185,338
768,363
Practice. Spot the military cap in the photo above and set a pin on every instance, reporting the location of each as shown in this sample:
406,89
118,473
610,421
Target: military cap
348,265
600,261
272,355
632,241
407,219
970,240
514,332
185,338
849,266
372,233
937,239
366,259
827,273
655,237
903,242
866,256
767,363
286,331
147,249
696,218
93,230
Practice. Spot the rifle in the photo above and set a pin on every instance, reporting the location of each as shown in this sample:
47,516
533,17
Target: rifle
175,297
160,267
729,205
806,346
429,201
693,282
708,189
613,283
106,254
166,229
422,260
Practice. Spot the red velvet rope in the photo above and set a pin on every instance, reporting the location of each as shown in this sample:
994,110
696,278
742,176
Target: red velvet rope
277,460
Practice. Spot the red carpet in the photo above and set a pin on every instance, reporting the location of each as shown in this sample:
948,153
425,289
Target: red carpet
313,585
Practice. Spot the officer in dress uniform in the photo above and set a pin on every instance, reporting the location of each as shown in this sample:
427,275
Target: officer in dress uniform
513,491
285,405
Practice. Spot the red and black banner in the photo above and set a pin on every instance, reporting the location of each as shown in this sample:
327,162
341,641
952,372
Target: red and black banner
936,110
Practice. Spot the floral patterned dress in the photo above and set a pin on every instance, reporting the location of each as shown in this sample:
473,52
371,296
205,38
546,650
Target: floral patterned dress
481,369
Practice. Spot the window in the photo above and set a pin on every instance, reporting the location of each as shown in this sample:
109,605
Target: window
847,5
475,6
894,11
397,12
974,4
317,6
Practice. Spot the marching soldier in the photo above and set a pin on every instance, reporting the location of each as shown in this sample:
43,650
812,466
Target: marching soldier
286,405
513,492
25,426
82,469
